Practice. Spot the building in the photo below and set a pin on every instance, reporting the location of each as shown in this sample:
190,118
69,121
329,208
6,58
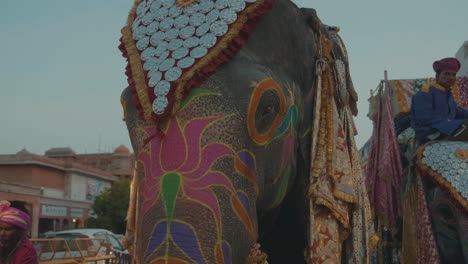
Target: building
462,56
119,163
58,188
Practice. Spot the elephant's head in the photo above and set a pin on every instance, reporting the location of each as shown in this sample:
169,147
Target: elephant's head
450,225
210,171
443,168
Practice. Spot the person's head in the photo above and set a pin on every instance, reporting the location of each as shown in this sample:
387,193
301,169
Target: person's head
13,224
9,235
446,70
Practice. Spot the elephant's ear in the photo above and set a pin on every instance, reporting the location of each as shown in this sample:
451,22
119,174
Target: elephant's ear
345,86
311,19
165,62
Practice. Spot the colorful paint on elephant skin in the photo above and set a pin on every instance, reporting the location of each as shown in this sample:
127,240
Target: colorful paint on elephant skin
245,166
181,234
187,174
285,123
184,236
242,211
282,122
194,93
223,253
189,161
285,172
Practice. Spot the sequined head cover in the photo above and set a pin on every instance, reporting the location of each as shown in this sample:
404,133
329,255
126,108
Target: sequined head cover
174,45
13,216
446,163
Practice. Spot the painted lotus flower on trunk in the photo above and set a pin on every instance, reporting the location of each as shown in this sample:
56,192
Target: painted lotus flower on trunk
177,167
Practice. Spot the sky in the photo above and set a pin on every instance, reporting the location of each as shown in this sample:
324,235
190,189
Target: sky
61,73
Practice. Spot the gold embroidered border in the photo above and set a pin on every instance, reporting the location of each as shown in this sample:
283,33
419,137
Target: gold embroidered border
455,90
439,87
336,214
344,196
326,134
401,98
138,73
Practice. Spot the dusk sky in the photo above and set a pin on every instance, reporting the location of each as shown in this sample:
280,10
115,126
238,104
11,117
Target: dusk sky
61,73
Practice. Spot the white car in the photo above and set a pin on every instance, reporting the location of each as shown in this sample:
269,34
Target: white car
78,238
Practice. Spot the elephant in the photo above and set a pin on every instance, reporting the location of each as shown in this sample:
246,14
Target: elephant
224,156
429,219
436,207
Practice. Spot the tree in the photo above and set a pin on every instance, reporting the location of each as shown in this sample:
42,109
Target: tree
110,208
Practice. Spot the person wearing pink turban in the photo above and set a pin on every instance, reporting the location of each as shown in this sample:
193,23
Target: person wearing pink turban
15,247
434,111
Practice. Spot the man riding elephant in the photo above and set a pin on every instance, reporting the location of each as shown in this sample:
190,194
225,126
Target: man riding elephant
434,112
435,193
418,175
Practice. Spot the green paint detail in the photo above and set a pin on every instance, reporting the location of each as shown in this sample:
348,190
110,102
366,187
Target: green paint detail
170,188
282,188
294,117
307,133
195,93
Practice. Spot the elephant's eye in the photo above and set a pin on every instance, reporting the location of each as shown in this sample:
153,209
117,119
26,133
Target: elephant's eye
267,110
445,212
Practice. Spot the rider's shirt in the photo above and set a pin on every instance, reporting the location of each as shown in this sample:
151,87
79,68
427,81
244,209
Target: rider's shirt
433,109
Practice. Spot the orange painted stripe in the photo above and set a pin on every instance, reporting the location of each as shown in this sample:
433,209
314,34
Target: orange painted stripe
241,213
219,254
245,171
263,86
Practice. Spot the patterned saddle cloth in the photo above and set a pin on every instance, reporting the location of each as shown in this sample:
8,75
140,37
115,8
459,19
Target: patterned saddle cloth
446,163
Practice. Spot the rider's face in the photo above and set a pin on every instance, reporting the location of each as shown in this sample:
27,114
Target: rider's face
9,235
446,78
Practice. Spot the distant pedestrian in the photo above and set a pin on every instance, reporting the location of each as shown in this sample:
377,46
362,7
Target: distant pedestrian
434,111
15,246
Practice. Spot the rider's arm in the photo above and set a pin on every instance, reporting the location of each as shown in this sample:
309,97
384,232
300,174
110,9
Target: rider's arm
426,114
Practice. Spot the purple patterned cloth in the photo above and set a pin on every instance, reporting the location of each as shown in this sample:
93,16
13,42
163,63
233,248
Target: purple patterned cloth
384,170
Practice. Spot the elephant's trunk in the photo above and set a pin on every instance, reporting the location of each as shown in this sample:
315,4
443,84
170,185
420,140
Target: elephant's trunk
189,205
